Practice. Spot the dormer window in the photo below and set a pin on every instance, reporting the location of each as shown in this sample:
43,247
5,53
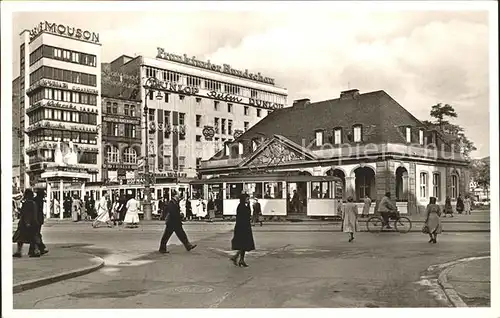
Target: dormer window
421,136
319,138
408,134
337,136
357,133
254,145
240,148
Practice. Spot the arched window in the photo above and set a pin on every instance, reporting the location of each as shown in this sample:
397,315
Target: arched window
436,185
454,186
113,154
129,155
423,184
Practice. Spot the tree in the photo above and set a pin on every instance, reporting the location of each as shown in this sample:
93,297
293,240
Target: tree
481,173
453,134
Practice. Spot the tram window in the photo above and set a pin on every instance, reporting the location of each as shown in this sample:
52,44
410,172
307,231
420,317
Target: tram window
197,190
339,190
273,190
320,190
158,193
234,190
254,189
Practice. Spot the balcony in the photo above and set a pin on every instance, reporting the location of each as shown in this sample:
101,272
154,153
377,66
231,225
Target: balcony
62,106
47,123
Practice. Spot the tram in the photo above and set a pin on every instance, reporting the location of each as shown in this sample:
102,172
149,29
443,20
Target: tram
280,194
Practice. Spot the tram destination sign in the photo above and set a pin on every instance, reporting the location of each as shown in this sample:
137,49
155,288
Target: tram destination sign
64,30
224,68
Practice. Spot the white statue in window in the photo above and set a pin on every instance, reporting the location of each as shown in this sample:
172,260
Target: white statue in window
58,156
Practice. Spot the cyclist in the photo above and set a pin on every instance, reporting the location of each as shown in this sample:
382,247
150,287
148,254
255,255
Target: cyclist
387,209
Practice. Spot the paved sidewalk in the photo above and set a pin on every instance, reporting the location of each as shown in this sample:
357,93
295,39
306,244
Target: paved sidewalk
59,264
471,281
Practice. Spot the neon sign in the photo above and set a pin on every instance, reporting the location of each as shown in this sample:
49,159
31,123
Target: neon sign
64,30
225,68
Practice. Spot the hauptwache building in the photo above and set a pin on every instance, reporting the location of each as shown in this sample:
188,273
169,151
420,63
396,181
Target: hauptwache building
60,78
202,105
355,145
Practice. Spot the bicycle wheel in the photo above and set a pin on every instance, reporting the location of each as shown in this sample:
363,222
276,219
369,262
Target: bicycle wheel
374,224
403,224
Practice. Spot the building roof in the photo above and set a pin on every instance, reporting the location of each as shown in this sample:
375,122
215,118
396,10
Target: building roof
382,119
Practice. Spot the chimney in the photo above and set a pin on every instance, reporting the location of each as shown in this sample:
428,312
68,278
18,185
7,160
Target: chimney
350,94
301,103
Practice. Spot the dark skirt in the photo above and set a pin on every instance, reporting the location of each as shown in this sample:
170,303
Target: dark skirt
24,234
243,238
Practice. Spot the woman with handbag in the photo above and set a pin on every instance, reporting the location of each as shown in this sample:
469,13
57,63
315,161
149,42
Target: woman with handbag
432,222
242,238
27,227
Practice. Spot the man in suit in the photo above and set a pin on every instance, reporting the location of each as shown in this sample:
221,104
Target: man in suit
173,223
39,201
257,212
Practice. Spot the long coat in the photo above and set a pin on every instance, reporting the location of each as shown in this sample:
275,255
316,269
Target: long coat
243,237
433,222
350,218
172,213
27,228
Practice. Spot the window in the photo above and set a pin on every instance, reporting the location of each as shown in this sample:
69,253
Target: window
198,138
245,125
182,162
151,95
258,112
167,163
234,190
357,133
421,136
108,107
240,148
246,110
115,108
436,185
167,97
115,129
126,109
198,120
273,190
423,184
454,186
223,126
229,127
112,154
320,190
229,108
129,155
151,116
216,105
216,125
182,119
167,117
132,110
408,134
319,138
130,130
337,136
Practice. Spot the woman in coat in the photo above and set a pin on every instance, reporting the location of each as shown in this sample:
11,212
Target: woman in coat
27,227
433,212
243,238
460,204
366,206
448,209
467,205
350,218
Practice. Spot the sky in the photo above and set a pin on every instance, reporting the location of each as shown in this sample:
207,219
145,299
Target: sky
420,58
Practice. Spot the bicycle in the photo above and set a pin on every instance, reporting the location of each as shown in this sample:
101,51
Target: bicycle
402,224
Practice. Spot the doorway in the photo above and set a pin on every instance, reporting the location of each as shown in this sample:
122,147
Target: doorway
297,198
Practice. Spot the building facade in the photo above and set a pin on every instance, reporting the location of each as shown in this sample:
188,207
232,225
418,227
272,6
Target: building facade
200,107
368,141
60,83
17,134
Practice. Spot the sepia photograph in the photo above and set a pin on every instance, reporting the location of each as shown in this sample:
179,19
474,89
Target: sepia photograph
250,155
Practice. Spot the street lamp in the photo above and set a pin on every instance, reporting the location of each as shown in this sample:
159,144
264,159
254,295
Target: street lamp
149,87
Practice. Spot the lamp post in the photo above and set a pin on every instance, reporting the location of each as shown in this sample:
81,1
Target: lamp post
149,88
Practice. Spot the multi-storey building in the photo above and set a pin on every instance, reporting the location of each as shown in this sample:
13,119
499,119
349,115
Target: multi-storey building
60,79
17,134
121,125
201,107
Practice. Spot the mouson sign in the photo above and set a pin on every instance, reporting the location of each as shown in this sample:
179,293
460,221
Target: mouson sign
64,30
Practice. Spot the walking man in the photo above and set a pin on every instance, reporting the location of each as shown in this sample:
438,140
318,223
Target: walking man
257,212
39,201
173,223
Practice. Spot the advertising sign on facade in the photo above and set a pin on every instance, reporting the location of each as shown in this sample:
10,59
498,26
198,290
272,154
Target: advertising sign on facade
64,30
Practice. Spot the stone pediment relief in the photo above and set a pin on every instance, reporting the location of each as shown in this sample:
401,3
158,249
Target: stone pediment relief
276,153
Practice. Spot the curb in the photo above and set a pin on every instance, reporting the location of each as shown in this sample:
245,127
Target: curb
35,283
448,289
